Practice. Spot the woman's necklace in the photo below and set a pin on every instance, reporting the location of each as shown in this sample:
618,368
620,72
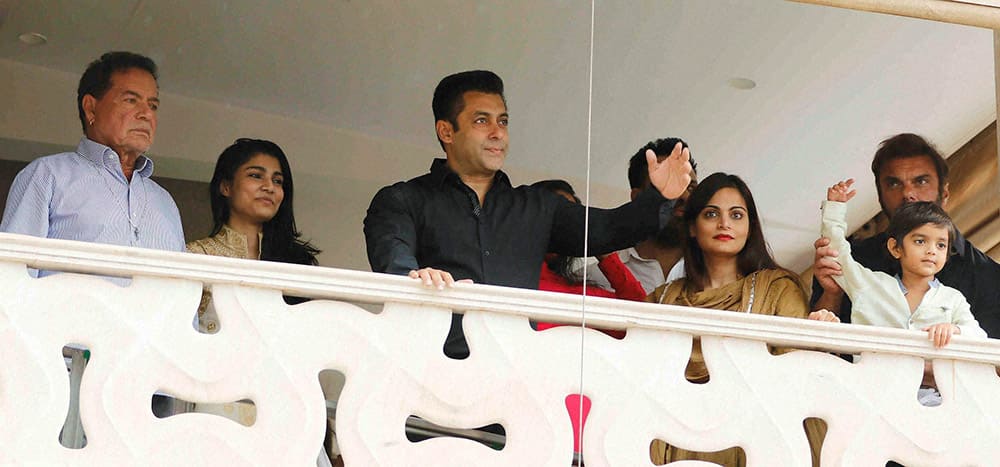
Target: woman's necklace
753,288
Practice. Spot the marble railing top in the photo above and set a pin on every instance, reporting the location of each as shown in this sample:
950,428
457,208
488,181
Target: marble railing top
368,287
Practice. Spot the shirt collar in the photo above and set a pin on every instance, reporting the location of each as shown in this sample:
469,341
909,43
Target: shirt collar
98,154
934,283
960,245
440,172
631,254
628,254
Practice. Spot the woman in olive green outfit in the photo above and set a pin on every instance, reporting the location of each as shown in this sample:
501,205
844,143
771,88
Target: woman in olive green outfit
727,267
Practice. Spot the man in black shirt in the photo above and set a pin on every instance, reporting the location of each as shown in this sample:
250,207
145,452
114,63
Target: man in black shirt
907,169
465,221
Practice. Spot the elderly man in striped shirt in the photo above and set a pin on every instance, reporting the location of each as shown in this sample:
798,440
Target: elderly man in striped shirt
102,192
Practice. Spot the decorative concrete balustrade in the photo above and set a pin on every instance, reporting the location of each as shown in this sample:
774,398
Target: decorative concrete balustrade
142,341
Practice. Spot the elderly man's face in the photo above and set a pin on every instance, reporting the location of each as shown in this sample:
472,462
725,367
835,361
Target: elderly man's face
907,180
124,119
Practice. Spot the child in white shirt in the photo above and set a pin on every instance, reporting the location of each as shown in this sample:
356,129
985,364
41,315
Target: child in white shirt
920,236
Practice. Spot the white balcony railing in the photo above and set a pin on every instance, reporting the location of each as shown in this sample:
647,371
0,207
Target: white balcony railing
142,341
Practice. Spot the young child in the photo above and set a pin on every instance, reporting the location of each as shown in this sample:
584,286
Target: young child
920,236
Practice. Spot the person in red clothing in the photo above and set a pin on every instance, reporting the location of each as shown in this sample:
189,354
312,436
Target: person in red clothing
557,271
556,277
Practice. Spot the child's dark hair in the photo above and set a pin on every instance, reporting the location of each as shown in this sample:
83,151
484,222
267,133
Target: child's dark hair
909,216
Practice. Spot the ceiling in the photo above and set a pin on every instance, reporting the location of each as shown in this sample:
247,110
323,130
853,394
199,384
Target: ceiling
831,83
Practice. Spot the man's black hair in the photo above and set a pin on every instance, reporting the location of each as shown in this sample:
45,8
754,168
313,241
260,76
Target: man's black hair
638,169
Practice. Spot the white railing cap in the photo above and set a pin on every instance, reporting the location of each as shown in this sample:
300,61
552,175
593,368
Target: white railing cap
359,286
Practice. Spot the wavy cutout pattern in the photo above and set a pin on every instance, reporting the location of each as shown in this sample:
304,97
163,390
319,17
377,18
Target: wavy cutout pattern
271,352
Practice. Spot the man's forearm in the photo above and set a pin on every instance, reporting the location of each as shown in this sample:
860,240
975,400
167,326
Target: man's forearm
391,257
614,229
829,301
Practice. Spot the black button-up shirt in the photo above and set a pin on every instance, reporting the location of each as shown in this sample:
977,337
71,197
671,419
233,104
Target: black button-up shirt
436,221
969,270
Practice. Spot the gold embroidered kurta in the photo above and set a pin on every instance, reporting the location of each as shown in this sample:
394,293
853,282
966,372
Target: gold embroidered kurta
228,243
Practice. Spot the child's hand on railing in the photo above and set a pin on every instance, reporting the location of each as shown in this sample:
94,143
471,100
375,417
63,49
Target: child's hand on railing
841,191
941,333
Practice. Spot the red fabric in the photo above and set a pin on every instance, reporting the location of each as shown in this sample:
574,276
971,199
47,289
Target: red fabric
626,286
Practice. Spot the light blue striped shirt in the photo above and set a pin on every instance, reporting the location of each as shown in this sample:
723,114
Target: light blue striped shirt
85,196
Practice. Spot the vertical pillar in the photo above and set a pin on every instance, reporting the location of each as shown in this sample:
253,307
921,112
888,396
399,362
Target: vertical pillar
996,83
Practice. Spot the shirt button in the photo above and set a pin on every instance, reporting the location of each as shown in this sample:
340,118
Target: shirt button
486,253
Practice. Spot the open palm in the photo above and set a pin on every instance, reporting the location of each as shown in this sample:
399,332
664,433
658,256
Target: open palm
672,175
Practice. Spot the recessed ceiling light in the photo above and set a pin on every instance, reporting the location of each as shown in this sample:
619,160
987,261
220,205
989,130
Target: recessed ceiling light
33,38
744,84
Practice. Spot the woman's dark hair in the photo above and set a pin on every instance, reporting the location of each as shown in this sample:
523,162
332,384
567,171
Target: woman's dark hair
910,216
755,254
281,241
561,265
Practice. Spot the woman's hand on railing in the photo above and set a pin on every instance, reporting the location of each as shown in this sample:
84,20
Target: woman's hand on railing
824,315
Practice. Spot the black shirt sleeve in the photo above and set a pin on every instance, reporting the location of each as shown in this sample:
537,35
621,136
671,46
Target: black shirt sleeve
977,276
390,232
610,229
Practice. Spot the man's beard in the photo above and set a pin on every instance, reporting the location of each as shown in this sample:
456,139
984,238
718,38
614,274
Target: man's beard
888,214
672,234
